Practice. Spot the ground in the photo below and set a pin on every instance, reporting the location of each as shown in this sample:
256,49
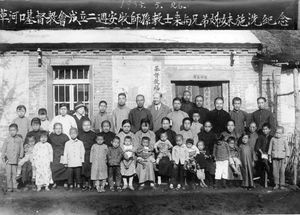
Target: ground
204,201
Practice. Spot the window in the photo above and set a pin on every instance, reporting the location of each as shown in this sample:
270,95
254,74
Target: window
71,84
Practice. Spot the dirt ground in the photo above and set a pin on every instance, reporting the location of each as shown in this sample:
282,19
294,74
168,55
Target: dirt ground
204,201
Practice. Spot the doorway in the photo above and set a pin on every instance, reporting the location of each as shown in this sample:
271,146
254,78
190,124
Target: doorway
208,89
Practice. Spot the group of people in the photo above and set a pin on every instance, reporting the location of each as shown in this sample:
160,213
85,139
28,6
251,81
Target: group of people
185,146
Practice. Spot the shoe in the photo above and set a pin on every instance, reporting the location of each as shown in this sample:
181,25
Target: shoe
131,187
171,186
65,185
102,189
38,189
119,189
124,187
282,187
141,187
54,185
78,186
112,189
85,188
98,189
16,190
178,187
47,188
276,187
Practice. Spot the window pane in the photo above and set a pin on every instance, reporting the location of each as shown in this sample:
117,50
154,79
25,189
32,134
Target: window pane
80,92
56,109
55,72
85,73
68,73
86,92
56,93
61,73
75,93
80,73
74,74
61,94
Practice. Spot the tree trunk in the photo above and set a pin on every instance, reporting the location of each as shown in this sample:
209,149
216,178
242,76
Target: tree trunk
297,122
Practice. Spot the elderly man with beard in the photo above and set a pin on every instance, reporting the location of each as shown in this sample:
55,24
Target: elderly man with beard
158,111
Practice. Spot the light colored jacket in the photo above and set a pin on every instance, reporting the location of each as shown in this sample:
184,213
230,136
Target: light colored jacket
74,153
279,148
180,154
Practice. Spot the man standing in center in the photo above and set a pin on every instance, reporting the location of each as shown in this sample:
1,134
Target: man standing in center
186,105
199,100
139,113
177,115
120,113
158,111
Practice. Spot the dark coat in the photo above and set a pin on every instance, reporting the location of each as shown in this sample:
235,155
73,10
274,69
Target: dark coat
157,115
263,116
108,137
210,139
203,113
187,107
219,119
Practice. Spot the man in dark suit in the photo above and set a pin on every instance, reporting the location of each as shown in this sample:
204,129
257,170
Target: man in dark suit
158,111
199,100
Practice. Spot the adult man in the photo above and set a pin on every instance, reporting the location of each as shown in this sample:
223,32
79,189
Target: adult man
79,115
101,116
218,117
186,105
139,113
177,115
66,120
199,100
158,111
120,113
263,115
239,116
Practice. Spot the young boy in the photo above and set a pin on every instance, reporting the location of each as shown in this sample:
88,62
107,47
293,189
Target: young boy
279,153
180,156
221,154
114,156
12,151
261,150
191,163
45,124
196,125
73,158
22,121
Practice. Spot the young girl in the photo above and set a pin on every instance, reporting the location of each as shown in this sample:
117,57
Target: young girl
180,156
145,132
202,162
107,134
191,163
125,131
58,139
230,131
88,137
234,171
187,132
73,158
246,156
145,163
42,157
35,129
25,165
45,124
196,125
98,159
128,163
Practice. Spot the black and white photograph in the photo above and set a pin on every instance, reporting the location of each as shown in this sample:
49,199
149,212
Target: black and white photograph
149,107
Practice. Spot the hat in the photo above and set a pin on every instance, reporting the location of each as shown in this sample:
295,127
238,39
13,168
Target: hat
79,105
63,105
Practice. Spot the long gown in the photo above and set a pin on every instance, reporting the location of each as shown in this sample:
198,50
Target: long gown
42,157
98,158
246,156
59,171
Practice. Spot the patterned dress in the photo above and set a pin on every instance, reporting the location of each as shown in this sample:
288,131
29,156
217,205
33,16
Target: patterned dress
98,158
42,157
128,157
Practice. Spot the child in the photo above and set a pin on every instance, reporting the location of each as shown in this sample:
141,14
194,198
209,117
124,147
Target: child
261,150
25,164
98,159
42,158
114,156
166,128
180,156
253,135
35,129
202,162
128,163
221,155
234,171
196,125
186,132
279,153
230,131
145,163
88,137
145,132
58,139
126,131
12,151
73,158
191,163
163,147
22,121
246,155
107,134
45,124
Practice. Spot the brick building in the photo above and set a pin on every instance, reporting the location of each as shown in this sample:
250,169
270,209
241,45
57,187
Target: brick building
94,65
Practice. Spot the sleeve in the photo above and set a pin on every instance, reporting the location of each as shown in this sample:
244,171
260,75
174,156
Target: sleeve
214,150
114,121
130,117
28,124
34,154
4,148
195,140
270,147
257,145
170,145
272,122
156,145
93,123
21,148
197,150
150,119
66,153
50,153
287,149
53,121
173,154
92,154
247,118
112,127
73,122
82,152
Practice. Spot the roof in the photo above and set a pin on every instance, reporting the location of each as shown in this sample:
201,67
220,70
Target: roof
191,37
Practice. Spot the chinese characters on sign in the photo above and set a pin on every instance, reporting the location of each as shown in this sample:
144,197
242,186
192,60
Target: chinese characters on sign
143,15
157,81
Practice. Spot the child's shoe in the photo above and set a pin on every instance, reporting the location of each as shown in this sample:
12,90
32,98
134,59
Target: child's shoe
159,180
282,187
98,189
112,189
119,189
65,185
131,187
78,186
276,187
178,187
102,189
71,187
39,188
141,187
47,188
171,186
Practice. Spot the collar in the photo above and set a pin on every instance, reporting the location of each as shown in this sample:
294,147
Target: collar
102,114
75,140
159,105
140,109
